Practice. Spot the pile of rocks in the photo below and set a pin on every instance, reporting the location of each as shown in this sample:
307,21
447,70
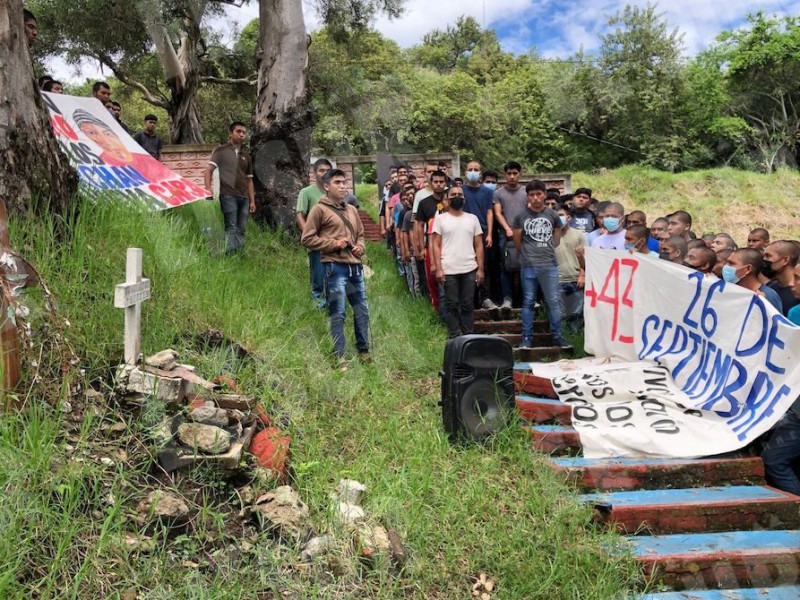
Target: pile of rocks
204,424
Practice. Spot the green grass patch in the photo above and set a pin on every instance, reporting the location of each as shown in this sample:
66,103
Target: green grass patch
461,510
719,200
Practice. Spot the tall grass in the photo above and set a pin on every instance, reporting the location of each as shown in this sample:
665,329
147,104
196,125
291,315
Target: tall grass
461,510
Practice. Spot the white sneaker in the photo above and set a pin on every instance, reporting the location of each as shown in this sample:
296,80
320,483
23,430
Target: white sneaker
506,303
489,305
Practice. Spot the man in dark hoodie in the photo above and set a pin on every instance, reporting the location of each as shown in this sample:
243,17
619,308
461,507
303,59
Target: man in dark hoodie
334,228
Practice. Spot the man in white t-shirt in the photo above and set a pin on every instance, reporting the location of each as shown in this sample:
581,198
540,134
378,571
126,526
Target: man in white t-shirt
458,251
614,237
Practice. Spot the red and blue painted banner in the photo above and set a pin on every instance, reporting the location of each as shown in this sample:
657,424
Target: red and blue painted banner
685,365
108,160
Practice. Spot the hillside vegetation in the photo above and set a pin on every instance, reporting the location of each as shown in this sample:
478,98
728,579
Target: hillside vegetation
720,200
71,481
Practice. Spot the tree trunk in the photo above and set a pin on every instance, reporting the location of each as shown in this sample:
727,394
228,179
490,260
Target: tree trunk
34,173
181,68
281,140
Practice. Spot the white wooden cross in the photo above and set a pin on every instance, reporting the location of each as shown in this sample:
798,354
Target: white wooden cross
130,295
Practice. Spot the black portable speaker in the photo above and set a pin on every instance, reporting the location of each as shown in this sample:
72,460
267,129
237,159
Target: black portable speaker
477,386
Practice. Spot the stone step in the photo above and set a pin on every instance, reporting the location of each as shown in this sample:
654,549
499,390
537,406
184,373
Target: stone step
733,559
555,439
500,314
696,510
490,327
549,353
606,474
527,382
543,410
789,592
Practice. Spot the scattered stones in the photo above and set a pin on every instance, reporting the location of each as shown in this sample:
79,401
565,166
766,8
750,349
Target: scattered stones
351,491
483,587
166,360
162,433
206,438
106,461
351,515
374,541
210,415
316,547
134,380
162,505
271,450
282,511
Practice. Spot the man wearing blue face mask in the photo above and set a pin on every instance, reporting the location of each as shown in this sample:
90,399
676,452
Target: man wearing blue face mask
743,268
478,201
571,276
614,237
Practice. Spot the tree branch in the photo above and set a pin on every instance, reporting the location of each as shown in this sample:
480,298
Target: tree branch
120,74
227,80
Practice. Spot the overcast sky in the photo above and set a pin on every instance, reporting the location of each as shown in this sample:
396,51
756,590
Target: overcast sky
556,28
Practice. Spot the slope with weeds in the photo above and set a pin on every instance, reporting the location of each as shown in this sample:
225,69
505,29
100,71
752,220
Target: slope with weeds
461,510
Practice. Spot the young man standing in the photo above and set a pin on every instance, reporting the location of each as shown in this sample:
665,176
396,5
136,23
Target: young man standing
102,91
680,223
478,201
571,275
307,199
148,139
510,202
582,219
780,259
237,197
674,249
425,212
758,239
742,268
458,248
658,230
537,233
636,241
614,237
334,229
31,27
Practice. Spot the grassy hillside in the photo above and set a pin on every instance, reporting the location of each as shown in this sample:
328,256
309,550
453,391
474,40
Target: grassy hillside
67,515
719,200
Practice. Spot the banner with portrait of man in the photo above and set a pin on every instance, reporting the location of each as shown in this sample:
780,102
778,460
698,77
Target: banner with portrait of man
108,160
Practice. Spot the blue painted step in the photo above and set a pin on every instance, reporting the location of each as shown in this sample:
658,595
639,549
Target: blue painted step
735,559
656,473
697,509
790,592
542,410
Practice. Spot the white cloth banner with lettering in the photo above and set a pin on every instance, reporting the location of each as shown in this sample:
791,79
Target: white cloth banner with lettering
108,160
693,366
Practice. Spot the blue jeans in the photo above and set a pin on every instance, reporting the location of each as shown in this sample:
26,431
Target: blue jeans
780,451
547,278
506,279
317,274
346,282
234,210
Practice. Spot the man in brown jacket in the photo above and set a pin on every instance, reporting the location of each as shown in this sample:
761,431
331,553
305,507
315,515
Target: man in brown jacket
334,228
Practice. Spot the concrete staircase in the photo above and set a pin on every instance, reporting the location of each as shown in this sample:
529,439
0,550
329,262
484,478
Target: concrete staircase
707,528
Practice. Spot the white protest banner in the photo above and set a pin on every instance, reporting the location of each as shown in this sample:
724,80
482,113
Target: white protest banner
707,366
108,160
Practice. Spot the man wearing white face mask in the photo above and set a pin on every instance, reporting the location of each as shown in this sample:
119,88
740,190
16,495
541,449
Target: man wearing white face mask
614,237
479,202
571,270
